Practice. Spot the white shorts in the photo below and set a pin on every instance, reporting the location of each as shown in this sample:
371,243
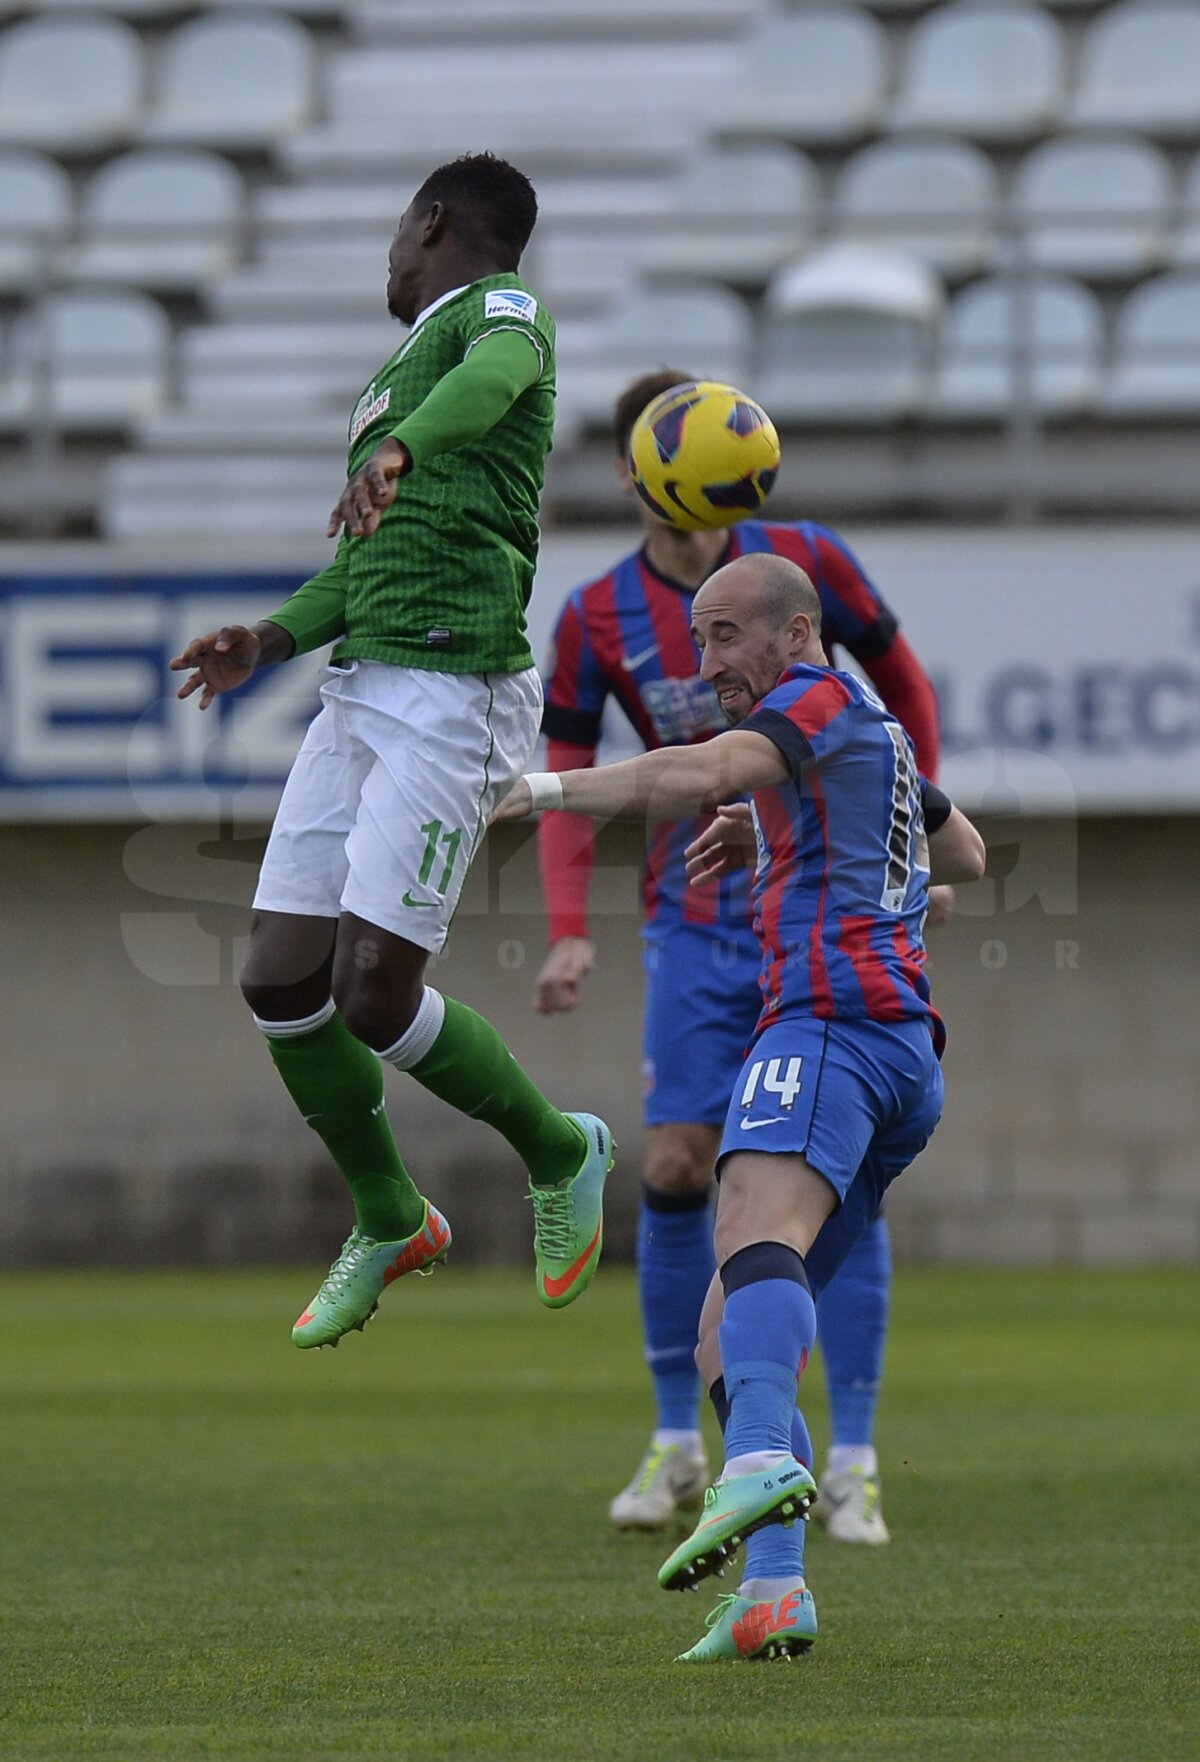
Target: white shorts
390,794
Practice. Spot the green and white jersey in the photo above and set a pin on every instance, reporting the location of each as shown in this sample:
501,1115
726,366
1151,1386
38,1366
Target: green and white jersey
445,580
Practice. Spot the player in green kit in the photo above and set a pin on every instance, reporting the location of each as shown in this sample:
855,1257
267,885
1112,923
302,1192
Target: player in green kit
429,716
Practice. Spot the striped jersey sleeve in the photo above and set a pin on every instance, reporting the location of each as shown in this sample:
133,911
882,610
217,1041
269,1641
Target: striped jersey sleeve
805,717
575,683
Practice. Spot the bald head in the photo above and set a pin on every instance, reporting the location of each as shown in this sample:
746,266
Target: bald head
751,619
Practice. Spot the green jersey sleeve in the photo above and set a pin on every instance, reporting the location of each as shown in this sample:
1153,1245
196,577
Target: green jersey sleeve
316,612
472,397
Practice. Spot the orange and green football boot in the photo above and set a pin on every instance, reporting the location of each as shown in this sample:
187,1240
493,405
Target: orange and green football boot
360,1275
740,1628
733,1510
568,1220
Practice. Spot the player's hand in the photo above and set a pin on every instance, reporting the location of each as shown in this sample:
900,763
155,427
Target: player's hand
558,984
372,489
223,659
517,804
726,846
941,905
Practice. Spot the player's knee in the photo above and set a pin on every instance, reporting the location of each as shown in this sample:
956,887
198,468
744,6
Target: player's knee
376,1013
677,1162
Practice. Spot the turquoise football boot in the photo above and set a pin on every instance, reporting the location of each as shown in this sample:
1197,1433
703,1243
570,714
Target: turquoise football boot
739,1628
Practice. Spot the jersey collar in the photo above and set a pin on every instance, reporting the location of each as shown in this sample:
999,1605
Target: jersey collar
682,586
442,300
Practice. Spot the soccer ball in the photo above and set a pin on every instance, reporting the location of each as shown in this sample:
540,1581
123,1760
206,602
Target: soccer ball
703,455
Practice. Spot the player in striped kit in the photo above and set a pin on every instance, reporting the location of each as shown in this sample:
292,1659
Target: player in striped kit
841,1087
627,635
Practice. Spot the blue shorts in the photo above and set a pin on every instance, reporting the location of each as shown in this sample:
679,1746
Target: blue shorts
858,1100
702,1001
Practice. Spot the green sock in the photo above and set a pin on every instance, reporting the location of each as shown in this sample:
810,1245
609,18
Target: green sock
337,1083
469,1066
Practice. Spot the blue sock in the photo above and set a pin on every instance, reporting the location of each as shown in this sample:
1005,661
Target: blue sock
852,1318
766,1335
774,1552
675,1268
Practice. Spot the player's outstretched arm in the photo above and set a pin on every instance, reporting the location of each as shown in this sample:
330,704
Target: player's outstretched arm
225,658
664,785
956,851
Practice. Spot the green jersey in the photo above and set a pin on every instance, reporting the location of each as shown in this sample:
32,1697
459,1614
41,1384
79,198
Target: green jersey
444,581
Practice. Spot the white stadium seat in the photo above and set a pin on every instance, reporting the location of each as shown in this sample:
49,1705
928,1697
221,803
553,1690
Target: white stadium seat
701,329
1139,68
35,212
545,20
935,198
735,213
1096,207
848,335
71,84
990,72
102,355
1156,359
234,82
979,370
814,77
160,218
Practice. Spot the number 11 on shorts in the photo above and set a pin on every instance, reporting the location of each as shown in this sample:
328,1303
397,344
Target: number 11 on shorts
437,841
776,1081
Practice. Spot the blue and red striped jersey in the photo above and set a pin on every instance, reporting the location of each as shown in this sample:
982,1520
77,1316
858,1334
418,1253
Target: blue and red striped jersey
841,887
628,635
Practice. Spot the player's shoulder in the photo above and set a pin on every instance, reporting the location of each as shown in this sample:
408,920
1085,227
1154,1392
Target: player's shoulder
593,599
788,537
506,299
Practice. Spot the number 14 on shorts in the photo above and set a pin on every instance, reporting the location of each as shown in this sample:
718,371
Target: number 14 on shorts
775,1079
440,843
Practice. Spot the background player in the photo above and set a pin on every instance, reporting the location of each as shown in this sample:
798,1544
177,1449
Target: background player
627,634
431,713
842,1087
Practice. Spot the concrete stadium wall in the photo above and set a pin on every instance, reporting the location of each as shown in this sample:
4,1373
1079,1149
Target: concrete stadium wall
141,1122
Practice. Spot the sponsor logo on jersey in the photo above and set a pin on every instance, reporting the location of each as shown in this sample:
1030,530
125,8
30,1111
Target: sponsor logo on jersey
510,303
367,409
682,709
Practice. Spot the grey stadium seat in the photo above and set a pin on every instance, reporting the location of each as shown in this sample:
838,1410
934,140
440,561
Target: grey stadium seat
234,82
1139,67
106,353
735,213
977,373
70,84
848,336
990,72
35,206
815,77
1095,207
1156,360
1186,250
160,218
935,198
701,329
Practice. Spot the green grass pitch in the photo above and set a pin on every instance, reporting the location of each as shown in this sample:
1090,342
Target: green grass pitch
214,1546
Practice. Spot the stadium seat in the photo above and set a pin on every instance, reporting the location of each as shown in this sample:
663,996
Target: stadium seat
71,84
1139,68
1096,207
977,372
847,336
990,72
35,203
817,77
735,213
285,366
251,497
937,199
160,218
704,329
104,354
234,82
1156,358
546,20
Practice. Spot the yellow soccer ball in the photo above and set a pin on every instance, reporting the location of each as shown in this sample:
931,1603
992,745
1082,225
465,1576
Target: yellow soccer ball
703,455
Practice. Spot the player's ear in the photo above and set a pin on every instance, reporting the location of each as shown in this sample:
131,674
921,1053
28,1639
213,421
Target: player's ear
434,224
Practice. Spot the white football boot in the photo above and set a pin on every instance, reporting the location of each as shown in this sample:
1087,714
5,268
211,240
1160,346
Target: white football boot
669,1479
848,1505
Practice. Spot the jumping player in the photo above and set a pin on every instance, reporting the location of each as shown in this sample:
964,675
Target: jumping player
430,713
841,1087
627,635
